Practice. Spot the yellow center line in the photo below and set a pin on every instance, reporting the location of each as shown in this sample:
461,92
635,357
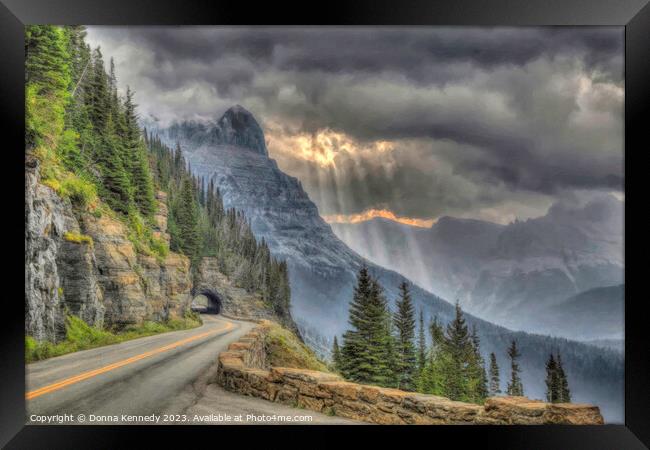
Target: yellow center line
93,373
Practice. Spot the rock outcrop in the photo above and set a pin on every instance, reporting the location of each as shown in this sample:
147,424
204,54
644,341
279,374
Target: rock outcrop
136,287
160,218
244,369
235,301
56,269
87,266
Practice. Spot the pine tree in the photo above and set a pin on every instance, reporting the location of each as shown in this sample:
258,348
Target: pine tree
135,156
79,55
98,97
515,386
368,354
477,378
46,58
433,377
458,345
564,394
552,380
495,383
404,321
47,78
186,219
336,355
115,187
437,334
390,355
354,353
422,346
381,343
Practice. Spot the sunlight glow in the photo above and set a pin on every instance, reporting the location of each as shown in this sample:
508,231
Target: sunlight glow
323,146
374,213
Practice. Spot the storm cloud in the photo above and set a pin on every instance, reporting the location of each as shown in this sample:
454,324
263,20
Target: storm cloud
492,123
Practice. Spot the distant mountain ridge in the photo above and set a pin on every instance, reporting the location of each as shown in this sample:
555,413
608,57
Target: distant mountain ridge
504,273
323,268
594,315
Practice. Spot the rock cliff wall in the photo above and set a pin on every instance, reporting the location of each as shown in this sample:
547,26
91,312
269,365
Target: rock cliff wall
244,369
100,278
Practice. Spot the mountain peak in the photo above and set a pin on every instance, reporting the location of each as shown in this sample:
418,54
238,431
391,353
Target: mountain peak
237,109
238,127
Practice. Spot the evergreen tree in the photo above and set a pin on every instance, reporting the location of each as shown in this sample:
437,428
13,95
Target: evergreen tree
115,186
552,380
98,96
185,216
381,343
368,353
79,54
433,377
135,156
354,352
46,58
391,357
336,354
564,394
458,345
404,321
495,382
515,386
422,346
477,378
47,78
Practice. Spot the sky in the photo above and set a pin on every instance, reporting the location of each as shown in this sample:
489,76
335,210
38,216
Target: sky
410,124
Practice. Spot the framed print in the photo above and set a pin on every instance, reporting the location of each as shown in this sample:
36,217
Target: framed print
411,216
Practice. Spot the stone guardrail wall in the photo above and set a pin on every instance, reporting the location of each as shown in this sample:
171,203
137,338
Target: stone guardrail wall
243,369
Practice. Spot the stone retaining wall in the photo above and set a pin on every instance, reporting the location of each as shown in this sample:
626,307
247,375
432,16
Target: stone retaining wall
243,369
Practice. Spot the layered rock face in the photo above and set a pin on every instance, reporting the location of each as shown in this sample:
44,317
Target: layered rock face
160,218
244,369
55,269
100,278
136,287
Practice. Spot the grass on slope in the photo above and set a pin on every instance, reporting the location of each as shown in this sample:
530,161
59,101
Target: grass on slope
284,349
81,336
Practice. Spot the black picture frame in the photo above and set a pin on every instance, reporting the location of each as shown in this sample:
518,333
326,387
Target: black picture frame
634,15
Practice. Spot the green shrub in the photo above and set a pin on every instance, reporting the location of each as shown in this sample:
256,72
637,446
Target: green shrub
160,248
141,236
30,347
284,349
78,238
80,192
81,336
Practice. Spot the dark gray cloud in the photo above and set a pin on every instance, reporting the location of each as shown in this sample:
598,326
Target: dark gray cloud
409,51
504,117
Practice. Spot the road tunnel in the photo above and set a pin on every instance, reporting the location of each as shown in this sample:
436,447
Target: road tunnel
208,301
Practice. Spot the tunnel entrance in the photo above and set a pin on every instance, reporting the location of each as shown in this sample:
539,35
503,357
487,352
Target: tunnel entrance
207,301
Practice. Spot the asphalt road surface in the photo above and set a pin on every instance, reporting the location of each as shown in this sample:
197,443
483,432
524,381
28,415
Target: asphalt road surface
161,379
